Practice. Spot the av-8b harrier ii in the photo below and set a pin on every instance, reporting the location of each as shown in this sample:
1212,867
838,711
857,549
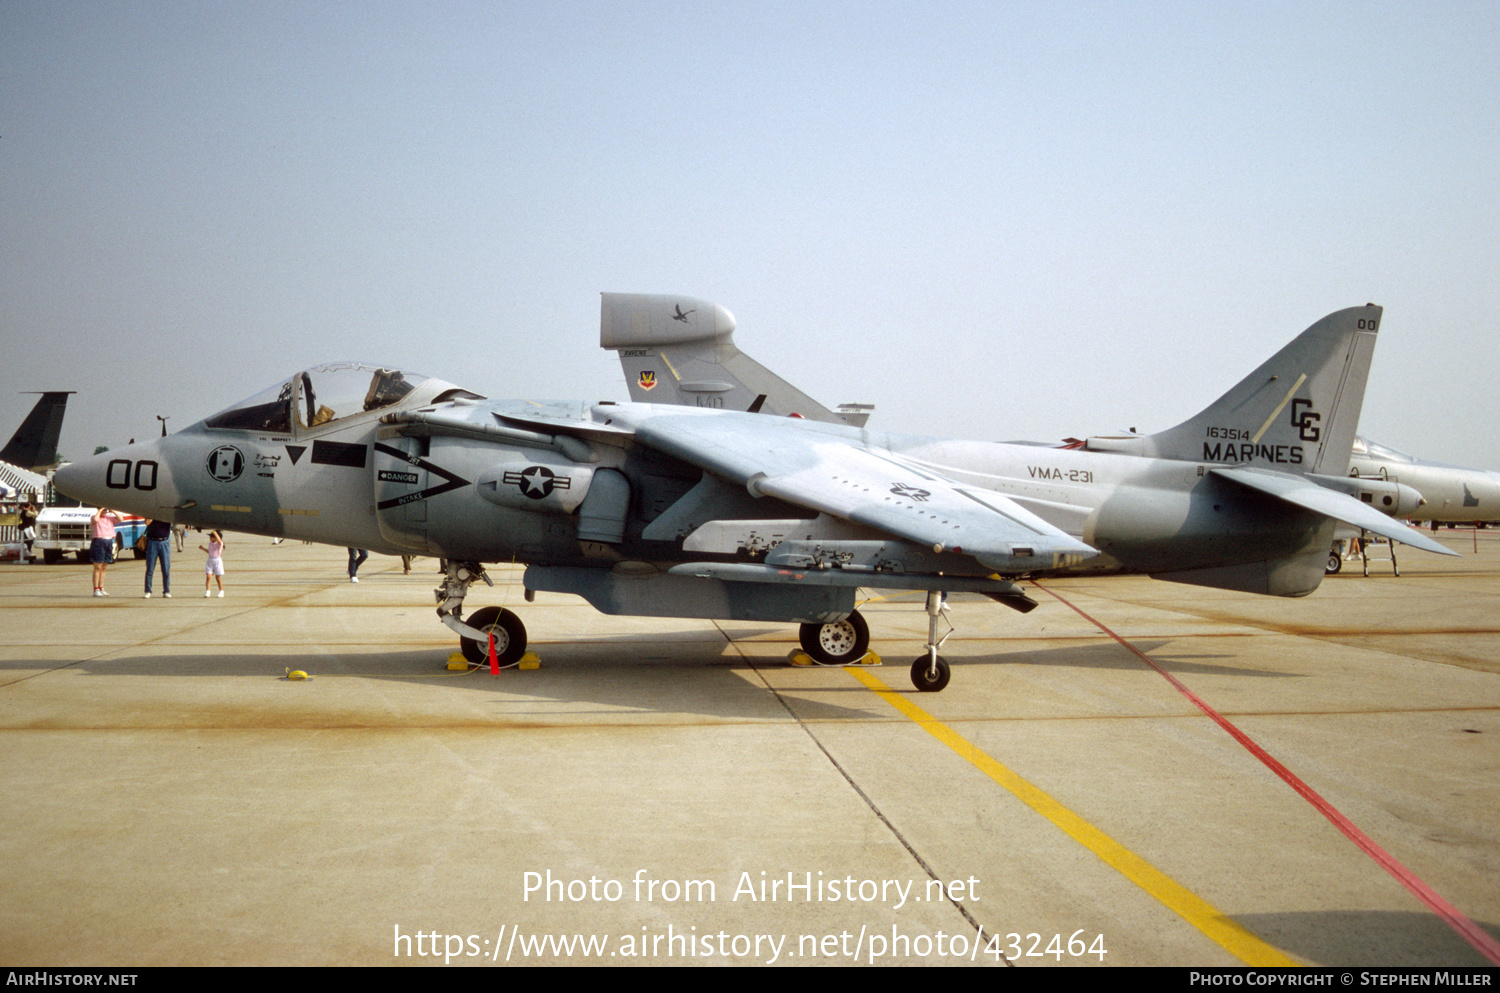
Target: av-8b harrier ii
674,511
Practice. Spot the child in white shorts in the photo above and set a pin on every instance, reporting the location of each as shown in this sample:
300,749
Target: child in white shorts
214,569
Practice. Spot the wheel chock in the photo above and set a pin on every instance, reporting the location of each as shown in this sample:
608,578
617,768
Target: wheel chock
296,675
800,658
458,663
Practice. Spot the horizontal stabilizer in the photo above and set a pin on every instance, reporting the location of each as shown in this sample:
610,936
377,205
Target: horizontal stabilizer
1301,491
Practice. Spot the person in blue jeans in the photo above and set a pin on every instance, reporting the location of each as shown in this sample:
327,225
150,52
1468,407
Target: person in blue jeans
159,549
357,558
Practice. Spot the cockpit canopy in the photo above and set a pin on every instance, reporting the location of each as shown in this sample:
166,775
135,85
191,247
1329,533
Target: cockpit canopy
1384,453
327,393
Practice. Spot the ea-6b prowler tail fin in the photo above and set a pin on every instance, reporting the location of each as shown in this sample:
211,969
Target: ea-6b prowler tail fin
678,350
35,442
1297,412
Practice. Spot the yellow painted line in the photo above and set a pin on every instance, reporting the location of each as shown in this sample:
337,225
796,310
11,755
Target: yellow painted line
1173,895
1275,413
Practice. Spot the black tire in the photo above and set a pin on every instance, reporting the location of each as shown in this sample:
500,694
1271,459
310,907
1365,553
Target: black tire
839,643
926,683
51,556
1335,563
510,637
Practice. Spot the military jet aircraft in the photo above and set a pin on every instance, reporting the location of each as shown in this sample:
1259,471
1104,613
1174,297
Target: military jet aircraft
676,511
1453,494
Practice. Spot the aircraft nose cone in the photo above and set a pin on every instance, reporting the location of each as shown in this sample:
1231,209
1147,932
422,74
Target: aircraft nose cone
129,478
72,480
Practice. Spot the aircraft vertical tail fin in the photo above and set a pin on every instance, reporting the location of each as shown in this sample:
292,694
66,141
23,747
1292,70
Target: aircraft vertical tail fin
35,441
1297,412
678,350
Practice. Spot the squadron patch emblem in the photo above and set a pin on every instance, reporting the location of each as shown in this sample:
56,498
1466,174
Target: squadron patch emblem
225,463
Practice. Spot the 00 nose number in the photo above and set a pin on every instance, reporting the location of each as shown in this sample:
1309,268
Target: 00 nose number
118,474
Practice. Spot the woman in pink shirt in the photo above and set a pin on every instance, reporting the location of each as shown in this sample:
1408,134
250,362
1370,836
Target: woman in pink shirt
102,548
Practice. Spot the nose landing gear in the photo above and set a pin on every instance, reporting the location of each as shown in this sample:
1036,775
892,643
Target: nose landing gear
486,622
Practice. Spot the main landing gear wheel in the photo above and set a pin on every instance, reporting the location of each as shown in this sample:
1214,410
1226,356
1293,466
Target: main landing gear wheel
1335,563
839,643
926,681
509,632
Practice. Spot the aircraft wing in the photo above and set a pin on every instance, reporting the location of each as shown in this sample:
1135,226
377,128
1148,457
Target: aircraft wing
1303,492
795,462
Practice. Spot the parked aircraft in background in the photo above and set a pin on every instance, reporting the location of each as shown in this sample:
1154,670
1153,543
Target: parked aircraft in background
709,512
34,445
1453,494
687,357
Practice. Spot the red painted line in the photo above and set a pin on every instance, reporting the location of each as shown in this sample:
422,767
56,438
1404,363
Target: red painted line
1451,915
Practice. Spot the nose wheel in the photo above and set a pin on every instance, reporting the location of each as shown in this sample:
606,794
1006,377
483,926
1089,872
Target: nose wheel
474,635
507,630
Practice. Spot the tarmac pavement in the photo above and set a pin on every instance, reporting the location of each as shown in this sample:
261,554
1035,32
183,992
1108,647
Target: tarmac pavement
669,791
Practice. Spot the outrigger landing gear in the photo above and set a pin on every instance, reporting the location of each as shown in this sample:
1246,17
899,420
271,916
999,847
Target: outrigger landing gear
930,672
474,636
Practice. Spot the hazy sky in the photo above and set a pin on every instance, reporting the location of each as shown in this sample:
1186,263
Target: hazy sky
994,220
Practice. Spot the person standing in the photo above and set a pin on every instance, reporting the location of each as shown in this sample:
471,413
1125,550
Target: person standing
102,548
159,548
357,558
215,565
28,515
